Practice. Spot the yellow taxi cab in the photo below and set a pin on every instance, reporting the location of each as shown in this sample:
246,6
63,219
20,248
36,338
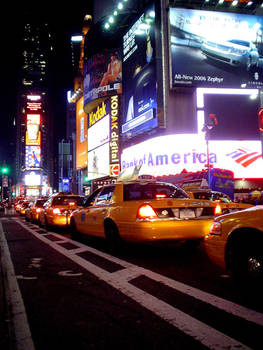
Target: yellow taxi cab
23,207
32,212
226,204
18,204
235,242
57,209
142,211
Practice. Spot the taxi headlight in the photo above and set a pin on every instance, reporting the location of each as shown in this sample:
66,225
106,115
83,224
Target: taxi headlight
215,228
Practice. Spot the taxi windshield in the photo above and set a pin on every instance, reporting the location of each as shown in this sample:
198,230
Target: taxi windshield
138,191
68,200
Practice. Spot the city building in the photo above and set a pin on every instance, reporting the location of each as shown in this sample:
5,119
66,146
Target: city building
76,118
34,142
189,89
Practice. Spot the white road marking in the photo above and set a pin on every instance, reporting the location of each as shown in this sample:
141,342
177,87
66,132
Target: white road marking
35,263
69,273
203,333
21,277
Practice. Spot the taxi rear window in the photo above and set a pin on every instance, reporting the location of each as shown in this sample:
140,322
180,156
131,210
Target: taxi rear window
66,200
40,203
138,191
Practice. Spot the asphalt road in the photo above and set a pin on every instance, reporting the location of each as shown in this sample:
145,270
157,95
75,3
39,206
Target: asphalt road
76,295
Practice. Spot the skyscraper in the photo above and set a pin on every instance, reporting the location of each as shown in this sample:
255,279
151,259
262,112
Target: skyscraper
34,166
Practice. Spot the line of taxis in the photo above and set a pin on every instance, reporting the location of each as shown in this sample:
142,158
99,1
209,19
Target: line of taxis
144,211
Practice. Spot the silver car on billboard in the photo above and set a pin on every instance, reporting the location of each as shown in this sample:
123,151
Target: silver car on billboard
235,52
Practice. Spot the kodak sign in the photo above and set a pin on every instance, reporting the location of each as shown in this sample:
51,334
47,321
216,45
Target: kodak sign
114,135
96,115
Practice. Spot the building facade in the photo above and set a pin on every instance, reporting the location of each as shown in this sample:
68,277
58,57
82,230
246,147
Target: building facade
188,78
34,143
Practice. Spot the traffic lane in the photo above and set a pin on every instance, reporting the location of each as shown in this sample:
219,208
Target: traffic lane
184,264
76,309
225,317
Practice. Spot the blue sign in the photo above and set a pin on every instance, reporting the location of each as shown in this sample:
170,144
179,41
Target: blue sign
222,181
139,77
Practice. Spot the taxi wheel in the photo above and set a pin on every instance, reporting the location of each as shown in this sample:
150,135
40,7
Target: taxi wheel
46,224
246,261
74,233
113,239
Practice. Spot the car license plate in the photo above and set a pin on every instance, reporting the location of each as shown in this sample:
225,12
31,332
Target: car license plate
187,213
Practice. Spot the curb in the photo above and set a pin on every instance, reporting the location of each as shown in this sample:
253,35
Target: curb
18,328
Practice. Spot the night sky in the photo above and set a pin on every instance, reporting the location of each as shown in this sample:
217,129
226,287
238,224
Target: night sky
63,23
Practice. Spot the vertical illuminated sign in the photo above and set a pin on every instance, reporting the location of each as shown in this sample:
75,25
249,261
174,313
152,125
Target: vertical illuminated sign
33,133
114,136
81,136
139,76
32,129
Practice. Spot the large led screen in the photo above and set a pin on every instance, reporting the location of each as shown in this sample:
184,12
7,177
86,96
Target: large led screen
32,157
215,49
139,76
102,76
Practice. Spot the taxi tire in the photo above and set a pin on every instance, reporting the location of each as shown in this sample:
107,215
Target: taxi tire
241,256
46,224
74,233
113,239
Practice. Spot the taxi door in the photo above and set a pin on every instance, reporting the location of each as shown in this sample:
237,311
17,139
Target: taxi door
83,220
94,218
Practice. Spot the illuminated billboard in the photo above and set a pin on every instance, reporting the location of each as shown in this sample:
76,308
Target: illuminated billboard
33,119
171,154
32,157
139,77
215,49
102,76
81,136
32,179
33,133
103,139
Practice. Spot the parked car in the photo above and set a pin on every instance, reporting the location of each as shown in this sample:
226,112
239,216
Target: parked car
235,242
57,209
234,52
142,211
32,212
226,204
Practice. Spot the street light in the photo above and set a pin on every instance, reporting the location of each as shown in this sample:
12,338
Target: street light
212,122
4,171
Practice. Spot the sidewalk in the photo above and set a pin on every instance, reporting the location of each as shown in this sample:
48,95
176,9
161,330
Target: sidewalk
14,330
4,337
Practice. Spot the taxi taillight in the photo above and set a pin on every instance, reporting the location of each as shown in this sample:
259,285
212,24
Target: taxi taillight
56,211
218,209
160,196
146,211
